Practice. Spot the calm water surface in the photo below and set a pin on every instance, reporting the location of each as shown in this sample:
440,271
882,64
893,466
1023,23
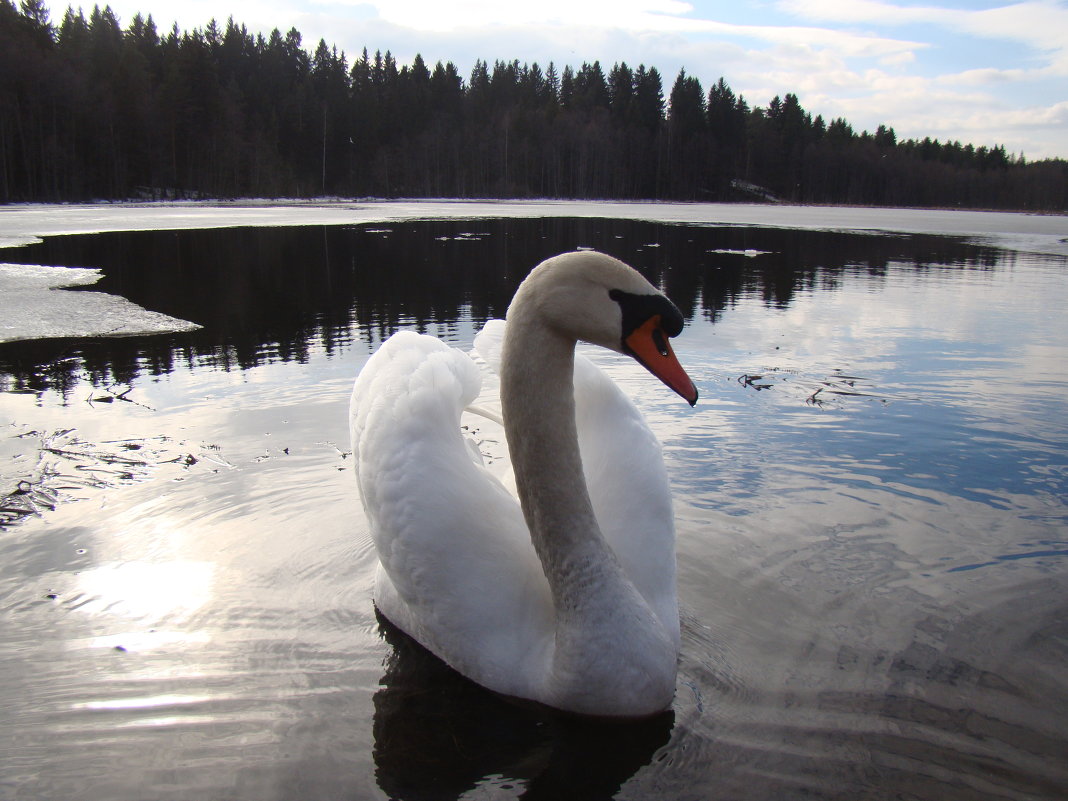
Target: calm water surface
871,503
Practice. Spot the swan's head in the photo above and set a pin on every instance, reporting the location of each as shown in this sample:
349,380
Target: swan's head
595,298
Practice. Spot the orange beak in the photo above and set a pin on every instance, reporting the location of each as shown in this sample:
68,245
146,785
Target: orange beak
649,345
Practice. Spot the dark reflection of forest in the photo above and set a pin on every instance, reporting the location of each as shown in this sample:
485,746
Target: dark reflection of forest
274,294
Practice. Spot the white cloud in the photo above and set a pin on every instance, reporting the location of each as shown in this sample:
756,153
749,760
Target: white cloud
917,107
986,76
1039,24
437,16
561,17
866,11
898,59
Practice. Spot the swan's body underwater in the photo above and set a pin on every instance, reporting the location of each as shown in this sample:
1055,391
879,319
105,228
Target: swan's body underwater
568,595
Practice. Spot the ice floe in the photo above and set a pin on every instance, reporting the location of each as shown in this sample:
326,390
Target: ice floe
34,305
749,253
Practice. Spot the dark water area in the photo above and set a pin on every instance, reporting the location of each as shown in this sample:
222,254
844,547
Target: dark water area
871,501
264,294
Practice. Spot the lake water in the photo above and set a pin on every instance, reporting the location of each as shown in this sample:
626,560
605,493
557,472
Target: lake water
871,495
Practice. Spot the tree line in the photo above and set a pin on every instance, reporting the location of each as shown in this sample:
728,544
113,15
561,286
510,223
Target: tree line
90,110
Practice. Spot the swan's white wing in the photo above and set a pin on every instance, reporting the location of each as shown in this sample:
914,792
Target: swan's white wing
459,572
625,473
489,342
628,485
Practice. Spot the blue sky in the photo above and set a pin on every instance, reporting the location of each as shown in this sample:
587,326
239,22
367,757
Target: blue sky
981,72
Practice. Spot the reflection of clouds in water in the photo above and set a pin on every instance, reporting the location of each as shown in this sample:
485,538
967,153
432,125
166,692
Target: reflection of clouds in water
967,361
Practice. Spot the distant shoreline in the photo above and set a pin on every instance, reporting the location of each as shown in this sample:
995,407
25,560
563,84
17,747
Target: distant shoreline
330,201
20,224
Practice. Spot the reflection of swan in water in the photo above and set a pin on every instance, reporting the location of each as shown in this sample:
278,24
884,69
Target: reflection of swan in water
438,736
575,607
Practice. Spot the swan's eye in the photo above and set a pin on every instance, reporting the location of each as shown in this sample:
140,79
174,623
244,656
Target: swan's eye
660,342
638,309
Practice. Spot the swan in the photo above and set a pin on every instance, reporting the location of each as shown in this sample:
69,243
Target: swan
565,596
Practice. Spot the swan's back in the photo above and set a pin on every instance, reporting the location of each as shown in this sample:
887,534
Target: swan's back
458,571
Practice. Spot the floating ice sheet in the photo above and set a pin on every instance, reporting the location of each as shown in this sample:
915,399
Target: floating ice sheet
749,253
32,277
33,305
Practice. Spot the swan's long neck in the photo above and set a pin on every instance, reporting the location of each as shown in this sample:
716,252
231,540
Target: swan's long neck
608,645
537,397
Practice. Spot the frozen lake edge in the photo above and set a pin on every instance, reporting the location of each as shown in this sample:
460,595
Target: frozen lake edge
32,312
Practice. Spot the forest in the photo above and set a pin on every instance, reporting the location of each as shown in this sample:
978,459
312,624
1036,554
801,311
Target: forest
90,110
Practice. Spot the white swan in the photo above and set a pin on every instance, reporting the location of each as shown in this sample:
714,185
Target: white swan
567,597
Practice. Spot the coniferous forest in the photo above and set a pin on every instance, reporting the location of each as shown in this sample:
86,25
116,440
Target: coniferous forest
92,110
